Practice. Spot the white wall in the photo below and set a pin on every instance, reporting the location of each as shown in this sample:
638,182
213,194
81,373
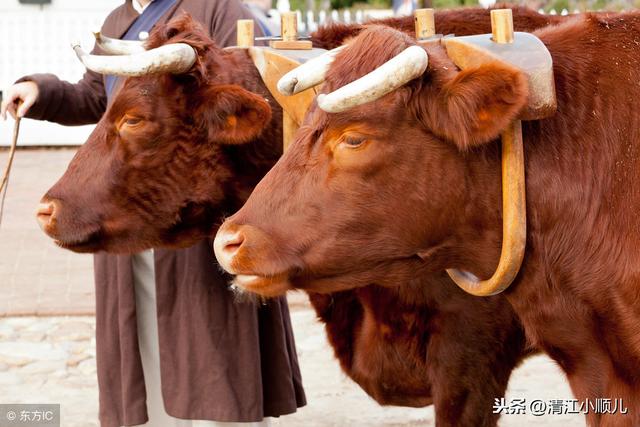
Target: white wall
36,39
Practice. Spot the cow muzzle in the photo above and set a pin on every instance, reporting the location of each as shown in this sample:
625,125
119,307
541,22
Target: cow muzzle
237,247
65,227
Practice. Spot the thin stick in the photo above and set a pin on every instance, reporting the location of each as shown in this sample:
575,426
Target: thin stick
5,178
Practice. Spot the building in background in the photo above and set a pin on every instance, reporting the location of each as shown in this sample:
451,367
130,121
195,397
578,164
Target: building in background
36,39
265,16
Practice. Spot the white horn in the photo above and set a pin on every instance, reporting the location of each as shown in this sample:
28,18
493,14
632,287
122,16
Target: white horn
307,75
404,67
118,47
175,58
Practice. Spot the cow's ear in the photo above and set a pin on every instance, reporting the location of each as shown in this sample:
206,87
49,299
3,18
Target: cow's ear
476,105
234,115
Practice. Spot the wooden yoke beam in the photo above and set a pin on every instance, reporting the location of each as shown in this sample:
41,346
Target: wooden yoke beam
272,65
289,31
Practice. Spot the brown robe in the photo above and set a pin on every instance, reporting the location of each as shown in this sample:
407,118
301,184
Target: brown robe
221,359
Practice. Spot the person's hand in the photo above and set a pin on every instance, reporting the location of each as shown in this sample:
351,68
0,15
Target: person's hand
23,94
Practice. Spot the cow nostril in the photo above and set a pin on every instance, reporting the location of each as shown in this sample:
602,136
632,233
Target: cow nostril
226,246
231,244
44,213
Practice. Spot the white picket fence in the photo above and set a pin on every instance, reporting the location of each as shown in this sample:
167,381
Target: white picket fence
36,39
309,21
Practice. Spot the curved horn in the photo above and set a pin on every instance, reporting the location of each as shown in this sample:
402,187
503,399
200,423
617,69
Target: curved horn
404,67
116,46
514,221
309,74
173,58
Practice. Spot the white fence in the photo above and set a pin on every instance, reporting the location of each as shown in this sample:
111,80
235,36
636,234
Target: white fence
310,21
36,39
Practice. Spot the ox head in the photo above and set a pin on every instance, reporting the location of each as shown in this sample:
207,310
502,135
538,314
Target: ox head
183,141
384,178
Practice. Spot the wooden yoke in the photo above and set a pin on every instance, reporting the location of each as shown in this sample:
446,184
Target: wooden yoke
272,63
526,52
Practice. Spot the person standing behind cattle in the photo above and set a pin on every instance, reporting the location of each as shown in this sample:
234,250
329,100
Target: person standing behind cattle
172,343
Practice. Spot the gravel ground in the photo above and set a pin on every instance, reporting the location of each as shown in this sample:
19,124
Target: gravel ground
52,360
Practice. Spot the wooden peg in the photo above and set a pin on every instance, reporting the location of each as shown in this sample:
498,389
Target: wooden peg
502,25
289,25
245,32
425,23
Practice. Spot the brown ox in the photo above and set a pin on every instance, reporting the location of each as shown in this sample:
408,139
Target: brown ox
174,154
421,344
410,184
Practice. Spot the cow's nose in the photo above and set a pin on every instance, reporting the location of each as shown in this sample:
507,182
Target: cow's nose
45,214
226,245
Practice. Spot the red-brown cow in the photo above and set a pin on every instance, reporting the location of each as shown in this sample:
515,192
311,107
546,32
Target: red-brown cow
174,154
410,184
420,344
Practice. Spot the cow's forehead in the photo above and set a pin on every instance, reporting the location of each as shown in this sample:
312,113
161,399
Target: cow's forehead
148,85
371,120
136,92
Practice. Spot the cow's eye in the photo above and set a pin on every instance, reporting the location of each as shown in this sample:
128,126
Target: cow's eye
129,121
354,142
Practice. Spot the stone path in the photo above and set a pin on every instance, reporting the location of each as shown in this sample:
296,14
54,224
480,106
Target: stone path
52,360
37,277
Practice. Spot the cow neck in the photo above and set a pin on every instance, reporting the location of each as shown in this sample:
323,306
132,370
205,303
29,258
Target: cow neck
469,249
